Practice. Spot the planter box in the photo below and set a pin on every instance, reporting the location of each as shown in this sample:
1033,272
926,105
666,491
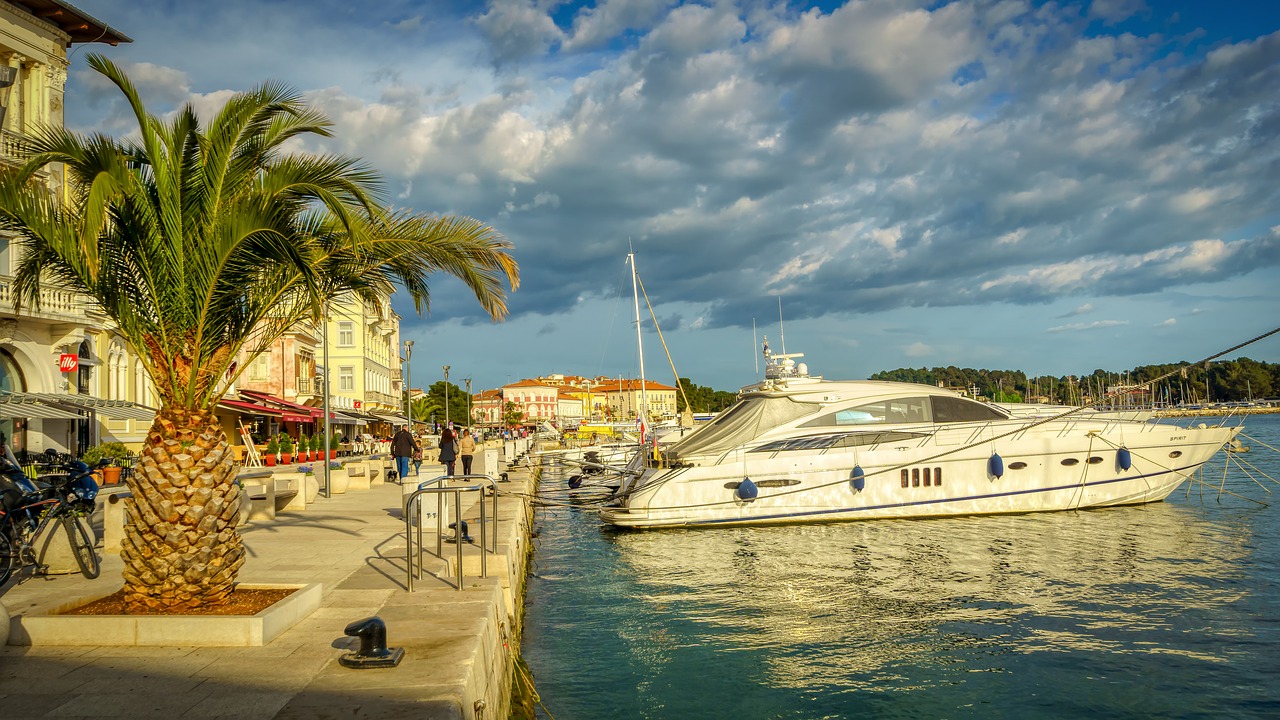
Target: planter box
167,630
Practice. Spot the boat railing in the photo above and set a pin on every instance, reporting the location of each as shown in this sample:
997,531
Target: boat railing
413,526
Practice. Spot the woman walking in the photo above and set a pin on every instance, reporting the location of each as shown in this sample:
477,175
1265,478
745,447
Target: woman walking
448,450
467,448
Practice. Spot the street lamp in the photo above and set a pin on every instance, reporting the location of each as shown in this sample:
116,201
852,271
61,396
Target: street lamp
408,382
469,418
446,396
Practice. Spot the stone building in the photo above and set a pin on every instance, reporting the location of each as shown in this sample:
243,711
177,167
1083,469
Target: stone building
67,380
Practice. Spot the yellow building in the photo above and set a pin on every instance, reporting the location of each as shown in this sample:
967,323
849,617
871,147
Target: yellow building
67,380
364,353
624,398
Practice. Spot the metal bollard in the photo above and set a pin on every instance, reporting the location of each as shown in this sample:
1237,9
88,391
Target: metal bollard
373,652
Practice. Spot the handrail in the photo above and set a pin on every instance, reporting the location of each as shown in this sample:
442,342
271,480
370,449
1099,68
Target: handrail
413,509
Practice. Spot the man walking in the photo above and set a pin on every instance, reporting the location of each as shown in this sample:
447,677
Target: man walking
403,446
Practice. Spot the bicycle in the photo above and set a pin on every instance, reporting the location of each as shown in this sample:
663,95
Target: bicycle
28,507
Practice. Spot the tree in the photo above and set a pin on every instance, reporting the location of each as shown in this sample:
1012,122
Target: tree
203,240
512,415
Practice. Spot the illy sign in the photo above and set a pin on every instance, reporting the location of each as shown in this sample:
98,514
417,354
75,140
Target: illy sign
68,362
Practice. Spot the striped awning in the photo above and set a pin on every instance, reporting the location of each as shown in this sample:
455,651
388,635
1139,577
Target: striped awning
248,408
118,409
21,405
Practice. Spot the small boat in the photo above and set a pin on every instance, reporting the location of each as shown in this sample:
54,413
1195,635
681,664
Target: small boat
797,448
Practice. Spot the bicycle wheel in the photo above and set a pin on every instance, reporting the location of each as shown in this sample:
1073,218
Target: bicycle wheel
81,547
8,553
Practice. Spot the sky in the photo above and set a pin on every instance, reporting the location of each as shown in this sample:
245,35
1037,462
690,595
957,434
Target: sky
1035,186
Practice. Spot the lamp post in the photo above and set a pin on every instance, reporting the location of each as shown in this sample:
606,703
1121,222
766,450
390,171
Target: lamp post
470,420
446,396
327,437
408,382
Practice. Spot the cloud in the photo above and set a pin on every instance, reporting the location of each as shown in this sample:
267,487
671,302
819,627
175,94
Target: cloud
1167,323
1077,327
917,349
874,157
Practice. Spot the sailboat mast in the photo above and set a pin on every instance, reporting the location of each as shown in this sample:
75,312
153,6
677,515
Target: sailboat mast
635,292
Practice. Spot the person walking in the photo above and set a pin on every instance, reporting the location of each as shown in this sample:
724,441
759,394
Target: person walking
448,450
467,449
403,446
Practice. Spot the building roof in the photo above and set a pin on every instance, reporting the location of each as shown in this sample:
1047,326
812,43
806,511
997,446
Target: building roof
619,385
528,384
79,25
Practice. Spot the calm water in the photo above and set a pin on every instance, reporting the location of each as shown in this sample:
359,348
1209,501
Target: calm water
1167,610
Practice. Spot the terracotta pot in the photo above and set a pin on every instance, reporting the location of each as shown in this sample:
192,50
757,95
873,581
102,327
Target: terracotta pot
333,454
286,458
269,460
111,475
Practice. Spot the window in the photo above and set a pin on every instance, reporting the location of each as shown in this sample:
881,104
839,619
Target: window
260,368
346,377
346,334
955,409
897,410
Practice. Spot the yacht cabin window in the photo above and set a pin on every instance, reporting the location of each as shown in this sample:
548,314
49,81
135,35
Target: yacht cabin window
924,409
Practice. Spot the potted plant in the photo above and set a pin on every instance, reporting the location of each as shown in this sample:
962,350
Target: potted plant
286,448
317,445
334,443
113,451
273,447
304,447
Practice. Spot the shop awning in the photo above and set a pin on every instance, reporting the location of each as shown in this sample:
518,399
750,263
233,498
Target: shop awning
118,409
248,408
393,419
21,405
292,411
345,419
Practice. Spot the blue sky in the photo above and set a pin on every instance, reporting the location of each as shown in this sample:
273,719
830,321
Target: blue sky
1046,187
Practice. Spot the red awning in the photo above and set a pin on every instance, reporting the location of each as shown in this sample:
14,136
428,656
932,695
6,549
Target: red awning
293,412
248,408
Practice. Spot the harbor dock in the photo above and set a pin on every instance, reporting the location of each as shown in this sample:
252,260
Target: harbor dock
459,645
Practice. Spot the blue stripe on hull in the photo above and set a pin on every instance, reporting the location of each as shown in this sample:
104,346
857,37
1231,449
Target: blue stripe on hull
846,511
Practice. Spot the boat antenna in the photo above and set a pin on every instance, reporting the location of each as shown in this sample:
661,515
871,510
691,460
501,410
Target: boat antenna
781,330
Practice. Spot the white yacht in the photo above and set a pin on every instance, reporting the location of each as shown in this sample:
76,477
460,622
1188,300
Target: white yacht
797,448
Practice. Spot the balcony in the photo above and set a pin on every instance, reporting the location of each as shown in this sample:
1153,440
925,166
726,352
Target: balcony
373,397
56,305
303,385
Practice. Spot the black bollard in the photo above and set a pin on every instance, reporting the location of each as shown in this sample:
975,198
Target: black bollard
466,536
373,652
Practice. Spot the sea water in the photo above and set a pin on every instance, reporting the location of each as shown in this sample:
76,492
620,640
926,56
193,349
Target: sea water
1166,610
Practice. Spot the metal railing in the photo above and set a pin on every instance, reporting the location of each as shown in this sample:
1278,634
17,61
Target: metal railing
413,510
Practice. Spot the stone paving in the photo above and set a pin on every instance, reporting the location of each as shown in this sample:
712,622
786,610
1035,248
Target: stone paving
455,666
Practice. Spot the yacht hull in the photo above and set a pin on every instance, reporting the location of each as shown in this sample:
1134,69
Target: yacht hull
1058,465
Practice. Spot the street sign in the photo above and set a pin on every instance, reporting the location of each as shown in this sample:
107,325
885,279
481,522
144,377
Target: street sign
68,362
358,403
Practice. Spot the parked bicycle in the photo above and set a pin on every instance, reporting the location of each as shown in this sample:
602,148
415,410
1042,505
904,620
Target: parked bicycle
30,507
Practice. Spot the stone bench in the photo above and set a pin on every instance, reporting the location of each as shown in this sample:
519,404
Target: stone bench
260,486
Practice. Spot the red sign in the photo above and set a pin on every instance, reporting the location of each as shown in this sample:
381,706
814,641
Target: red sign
68,362
358,403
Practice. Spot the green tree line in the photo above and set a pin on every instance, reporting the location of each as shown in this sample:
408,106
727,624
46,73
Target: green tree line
1223,381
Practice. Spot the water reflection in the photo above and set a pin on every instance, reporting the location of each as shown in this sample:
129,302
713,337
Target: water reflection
1160,610
904,594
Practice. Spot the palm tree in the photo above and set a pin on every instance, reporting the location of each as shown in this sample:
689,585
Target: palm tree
199,241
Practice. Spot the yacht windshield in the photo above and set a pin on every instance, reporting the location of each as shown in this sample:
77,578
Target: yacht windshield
740,423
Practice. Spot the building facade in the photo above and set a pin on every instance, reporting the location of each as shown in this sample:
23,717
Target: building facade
67,380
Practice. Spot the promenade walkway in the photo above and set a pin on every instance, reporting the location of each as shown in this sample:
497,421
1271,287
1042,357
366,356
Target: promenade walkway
455,663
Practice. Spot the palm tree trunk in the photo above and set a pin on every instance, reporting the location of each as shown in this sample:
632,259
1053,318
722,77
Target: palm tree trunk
181,548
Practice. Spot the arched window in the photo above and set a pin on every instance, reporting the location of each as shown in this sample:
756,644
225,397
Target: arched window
141,384
117,369
85,372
